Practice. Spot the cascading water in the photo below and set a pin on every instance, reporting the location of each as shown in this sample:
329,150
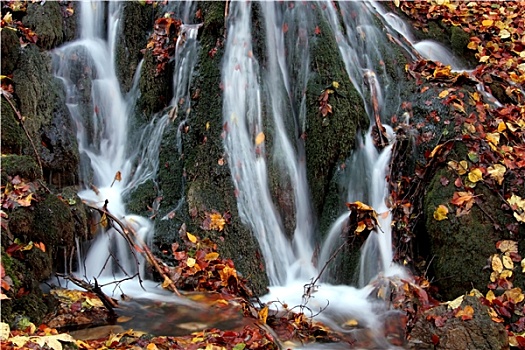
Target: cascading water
259,103
289,264
102,114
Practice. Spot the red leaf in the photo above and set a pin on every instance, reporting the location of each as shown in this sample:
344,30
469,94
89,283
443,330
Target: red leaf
435,339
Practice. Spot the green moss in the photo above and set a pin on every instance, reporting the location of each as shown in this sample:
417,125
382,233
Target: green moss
45,19
10,54
460,245
141,198
329,145
53,224
23,166
137,23
14,140
155,89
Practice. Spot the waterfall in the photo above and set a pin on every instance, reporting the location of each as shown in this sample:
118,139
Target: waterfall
108,146
262,103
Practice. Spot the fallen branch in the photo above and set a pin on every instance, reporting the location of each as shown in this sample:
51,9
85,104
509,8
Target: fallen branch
147,252
108,302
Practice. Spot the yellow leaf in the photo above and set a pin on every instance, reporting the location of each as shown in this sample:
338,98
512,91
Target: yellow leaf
507,246
167,282
104,220
475,175
351,323
441,213
217,221
494,276
207,125
505,274
497,264
466,312
263,314
443,94
335,84
507,262
493,138
484,59
191,237
472,45
522,266
151,346
504,34
211,256
259,139
501,127
460,167
4,331
456,302
497,172
360,227
396,2
515,294
191,262
487,22
490,296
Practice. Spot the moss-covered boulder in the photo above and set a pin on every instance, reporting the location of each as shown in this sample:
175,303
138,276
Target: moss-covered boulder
46,118
23,166
136,26
45,19
10,51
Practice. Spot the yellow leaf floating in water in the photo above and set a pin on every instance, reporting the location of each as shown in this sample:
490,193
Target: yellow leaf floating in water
441,213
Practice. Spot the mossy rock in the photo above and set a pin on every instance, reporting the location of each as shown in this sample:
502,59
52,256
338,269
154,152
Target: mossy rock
10,53
23,166
141,198
53,224
21,223
31,304
14,139
137,23
46,21
79,212
460,246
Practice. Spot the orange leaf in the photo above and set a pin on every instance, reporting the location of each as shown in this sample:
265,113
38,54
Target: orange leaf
460,198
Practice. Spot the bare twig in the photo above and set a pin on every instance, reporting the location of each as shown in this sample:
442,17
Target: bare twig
126,230
108,302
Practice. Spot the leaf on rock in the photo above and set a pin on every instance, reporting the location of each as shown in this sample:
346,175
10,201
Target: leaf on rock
496,263
475,175
441,213
192,238
259,138
497,172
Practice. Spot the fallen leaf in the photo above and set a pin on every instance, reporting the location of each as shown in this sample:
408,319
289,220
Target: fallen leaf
441,213
466,313
496,263
259,139
191,237
475,175
497,172
263,314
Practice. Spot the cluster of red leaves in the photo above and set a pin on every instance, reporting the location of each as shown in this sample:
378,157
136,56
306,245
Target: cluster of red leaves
18,193
497,34
199,268
250,337
163,41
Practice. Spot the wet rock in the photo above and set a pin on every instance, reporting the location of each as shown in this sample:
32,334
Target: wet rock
47,120
439,329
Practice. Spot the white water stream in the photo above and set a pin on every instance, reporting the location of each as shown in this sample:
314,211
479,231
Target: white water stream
258,100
